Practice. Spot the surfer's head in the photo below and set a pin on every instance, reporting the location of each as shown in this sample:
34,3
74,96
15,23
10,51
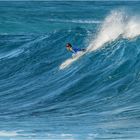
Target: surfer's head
68,46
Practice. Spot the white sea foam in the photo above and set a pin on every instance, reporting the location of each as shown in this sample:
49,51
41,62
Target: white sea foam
76,21
4,133
117,24
8,133
132,28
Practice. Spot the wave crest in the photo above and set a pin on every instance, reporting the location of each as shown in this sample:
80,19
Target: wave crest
117,24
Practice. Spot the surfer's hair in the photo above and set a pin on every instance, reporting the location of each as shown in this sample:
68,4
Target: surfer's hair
68,44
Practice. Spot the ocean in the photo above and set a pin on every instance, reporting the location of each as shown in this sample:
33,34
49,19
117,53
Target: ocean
45,94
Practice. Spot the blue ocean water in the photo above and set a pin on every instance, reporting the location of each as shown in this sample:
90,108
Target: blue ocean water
95,97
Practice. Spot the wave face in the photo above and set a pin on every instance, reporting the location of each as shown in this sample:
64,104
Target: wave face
96,97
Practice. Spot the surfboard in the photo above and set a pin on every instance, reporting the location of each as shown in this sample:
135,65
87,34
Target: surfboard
69,61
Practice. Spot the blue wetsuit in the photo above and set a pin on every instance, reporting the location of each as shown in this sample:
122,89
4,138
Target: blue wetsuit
75,50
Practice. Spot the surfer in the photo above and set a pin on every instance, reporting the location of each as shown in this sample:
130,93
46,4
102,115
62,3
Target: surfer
74,50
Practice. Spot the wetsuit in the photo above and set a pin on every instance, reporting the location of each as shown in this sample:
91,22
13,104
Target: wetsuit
75,50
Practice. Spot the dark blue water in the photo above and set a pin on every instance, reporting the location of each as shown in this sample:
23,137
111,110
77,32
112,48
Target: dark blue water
96,97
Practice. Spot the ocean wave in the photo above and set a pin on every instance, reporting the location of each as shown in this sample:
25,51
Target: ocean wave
96,98
116,25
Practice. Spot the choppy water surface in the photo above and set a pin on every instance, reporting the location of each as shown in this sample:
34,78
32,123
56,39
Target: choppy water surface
95,97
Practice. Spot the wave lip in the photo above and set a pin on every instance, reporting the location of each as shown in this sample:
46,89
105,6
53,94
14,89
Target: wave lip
116,24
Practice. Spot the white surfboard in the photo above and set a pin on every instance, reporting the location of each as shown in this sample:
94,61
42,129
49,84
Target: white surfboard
69,61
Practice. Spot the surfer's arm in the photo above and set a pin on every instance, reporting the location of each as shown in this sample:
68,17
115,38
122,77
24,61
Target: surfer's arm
72,51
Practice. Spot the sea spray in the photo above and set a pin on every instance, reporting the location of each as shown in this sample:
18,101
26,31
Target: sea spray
132,28
117,24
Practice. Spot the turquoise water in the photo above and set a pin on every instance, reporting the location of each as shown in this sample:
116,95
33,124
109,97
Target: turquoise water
95,97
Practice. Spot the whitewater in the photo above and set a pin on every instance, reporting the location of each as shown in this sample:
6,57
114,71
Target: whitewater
45,94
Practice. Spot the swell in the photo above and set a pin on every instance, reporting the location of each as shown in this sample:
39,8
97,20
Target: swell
102,75
30,70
